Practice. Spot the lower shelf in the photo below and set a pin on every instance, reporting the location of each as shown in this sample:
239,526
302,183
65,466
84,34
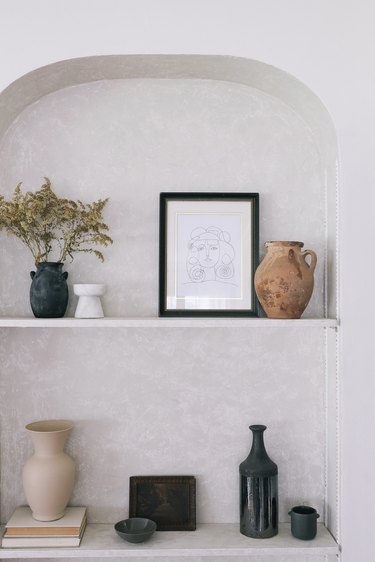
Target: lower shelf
215,540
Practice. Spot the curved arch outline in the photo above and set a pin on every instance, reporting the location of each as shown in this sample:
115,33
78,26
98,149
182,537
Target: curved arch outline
270,80
266,78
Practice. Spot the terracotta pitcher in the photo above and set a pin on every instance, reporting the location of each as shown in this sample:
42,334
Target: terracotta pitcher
284,280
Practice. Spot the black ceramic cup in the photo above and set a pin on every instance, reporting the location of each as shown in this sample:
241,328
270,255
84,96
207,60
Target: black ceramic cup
303,522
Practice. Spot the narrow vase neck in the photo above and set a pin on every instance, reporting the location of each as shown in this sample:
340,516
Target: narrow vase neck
49,265
49,436
49,443
258,441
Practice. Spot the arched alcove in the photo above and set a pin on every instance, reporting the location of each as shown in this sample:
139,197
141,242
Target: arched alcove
129,127
253,126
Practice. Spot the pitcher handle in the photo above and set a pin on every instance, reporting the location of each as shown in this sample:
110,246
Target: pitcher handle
313,256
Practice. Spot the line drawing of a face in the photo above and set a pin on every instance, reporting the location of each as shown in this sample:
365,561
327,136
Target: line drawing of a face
210,256
207,250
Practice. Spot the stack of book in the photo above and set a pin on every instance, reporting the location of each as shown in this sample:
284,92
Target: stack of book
22,531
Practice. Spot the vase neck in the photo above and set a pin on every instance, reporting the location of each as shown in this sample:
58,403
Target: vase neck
49,443
284,244
258,450
49,436
49,265
258,440
258,463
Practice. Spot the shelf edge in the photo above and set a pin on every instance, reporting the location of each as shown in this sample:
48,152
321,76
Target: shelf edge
155,322
100,541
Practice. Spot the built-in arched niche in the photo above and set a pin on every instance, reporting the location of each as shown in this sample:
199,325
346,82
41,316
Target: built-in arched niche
143,124
129,127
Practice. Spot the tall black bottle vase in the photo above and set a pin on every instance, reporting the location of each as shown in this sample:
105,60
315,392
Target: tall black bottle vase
258,490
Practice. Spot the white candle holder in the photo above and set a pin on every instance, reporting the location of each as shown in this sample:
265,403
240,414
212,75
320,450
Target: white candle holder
89,304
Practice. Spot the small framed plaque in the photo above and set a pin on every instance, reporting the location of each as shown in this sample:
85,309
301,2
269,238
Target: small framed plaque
167,500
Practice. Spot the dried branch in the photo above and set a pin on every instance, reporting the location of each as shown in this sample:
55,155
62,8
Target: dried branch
47,223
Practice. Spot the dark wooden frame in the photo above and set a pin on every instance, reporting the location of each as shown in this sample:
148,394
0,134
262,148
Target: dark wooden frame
164,199
188,488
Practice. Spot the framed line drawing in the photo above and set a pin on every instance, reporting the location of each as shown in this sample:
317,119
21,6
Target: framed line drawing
209,251
168,500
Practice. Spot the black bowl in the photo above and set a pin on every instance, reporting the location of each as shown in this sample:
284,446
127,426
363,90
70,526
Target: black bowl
135,529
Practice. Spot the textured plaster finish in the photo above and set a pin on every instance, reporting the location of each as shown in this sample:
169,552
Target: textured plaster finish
131,139
167,402
264,78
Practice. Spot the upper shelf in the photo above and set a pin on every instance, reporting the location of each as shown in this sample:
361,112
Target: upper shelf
154,322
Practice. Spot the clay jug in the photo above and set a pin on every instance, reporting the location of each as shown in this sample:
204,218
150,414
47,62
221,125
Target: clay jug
48,475
284,280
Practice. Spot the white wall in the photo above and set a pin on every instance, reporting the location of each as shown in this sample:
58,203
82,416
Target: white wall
327,45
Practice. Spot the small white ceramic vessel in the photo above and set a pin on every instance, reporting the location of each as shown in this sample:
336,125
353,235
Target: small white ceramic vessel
89,304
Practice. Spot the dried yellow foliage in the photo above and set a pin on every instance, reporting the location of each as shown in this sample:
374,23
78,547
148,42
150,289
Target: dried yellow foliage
46,223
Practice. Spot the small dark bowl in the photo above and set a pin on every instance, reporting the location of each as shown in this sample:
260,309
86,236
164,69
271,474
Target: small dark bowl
135,529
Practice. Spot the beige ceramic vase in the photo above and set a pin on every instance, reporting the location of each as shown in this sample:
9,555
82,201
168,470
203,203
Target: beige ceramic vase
48,475
284,280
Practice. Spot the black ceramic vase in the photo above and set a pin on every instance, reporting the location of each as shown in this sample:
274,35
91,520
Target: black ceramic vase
258,490
49,290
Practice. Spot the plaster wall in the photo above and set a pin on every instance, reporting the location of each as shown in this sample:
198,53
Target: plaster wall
132,139
168,390
329,47
148,402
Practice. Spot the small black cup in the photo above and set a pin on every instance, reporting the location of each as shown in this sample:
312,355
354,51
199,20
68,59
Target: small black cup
303,519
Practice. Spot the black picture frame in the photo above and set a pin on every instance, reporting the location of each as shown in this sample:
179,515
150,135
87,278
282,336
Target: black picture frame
187,221
170,501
